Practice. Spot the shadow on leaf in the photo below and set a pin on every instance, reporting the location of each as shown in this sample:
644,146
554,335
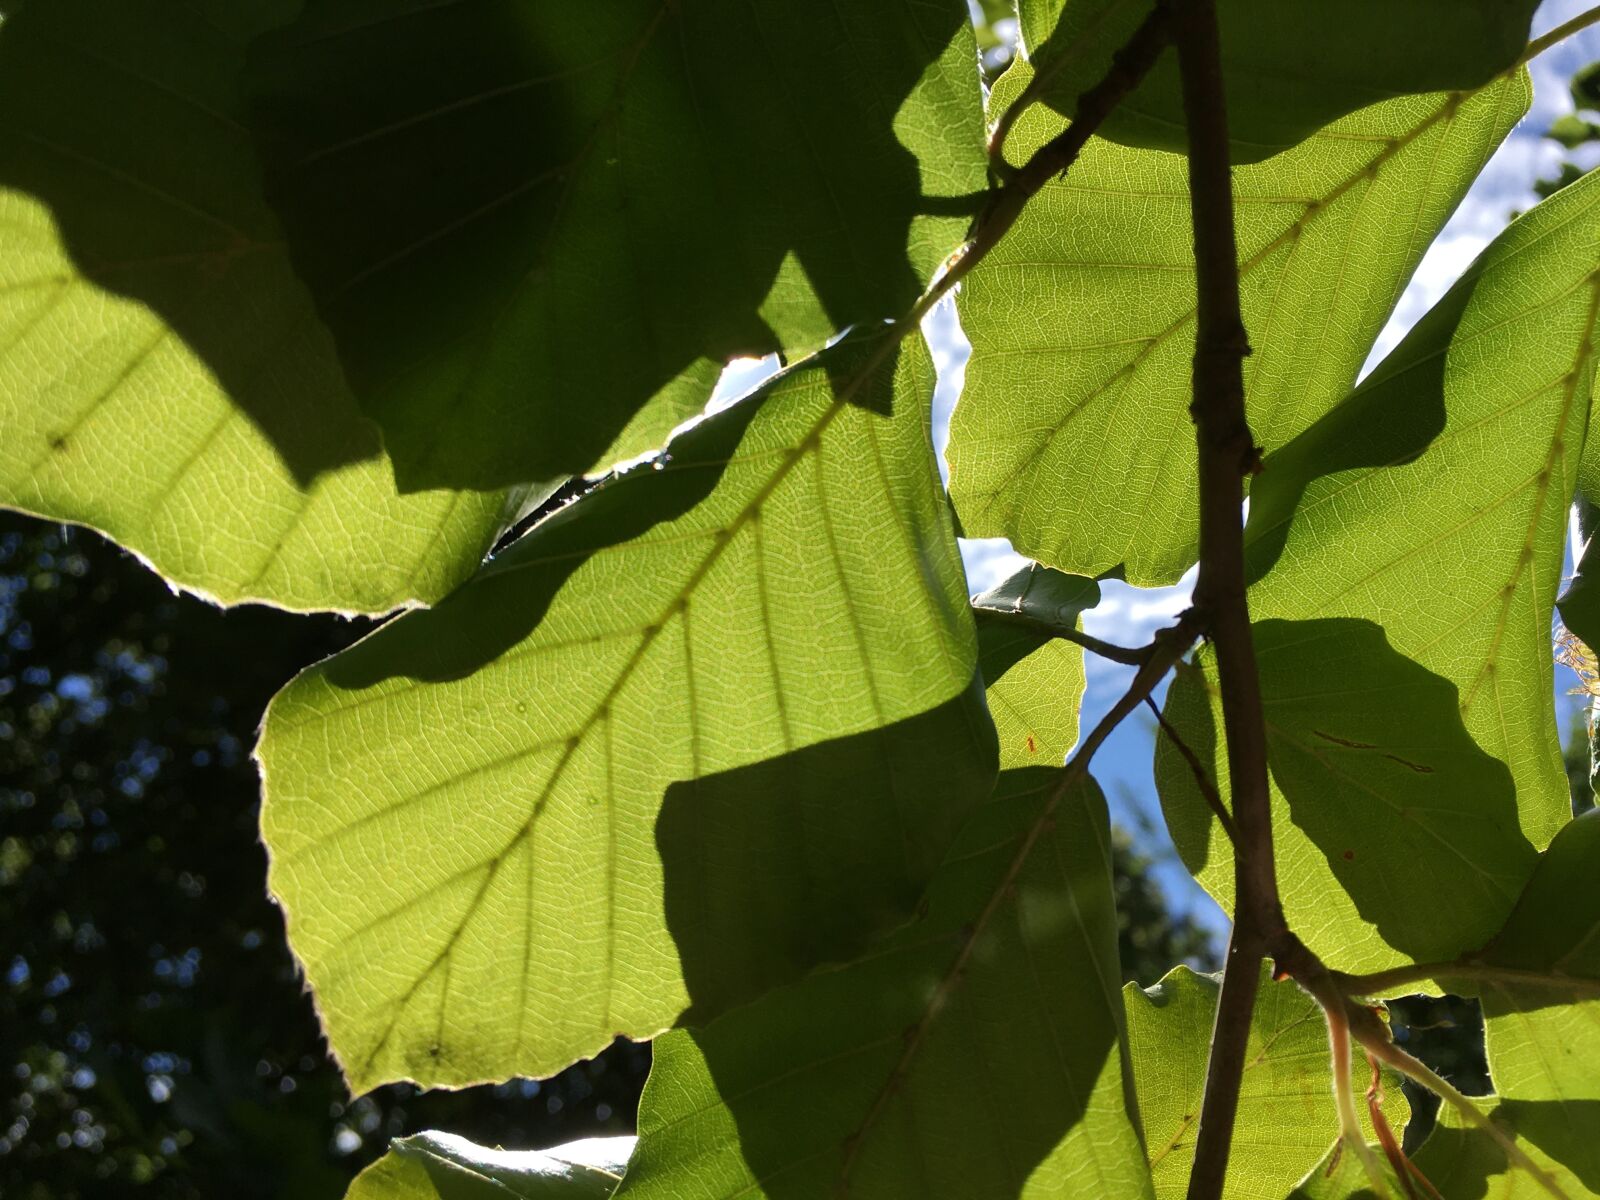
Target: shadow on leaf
863,1075
1388,421
1369,753
520,223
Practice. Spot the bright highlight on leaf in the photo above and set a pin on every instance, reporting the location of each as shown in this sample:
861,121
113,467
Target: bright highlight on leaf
441,1166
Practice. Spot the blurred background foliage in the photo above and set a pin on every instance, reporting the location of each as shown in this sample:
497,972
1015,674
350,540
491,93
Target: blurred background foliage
1574,130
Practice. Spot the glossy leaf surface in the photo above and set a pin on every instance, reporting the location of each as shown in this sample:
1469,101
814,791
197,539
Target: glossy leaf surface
442,1166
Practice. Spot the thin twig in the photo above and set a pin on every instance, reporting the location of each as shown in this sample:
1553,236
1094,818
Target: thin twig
1201,779
1385,1050
1351,1135
1128,656
1227,453
1043,77
1396,979
1129,66
1559,34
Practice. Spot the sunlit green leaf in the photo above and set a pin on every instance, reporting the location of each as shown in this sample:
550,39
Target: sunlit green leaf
1381,801
707,726
1034,678
1286,1116
532,225
902,1075
442,1166
1434,500
1072,436
1289,69
163,374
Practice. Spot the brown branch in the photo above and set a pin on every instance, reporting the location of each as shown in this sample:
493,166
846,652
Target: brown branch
1201,779
1227,453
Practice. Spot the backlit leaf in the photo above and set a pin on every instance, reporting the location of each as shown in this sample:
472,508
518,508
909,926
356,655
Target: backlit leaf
902,1075
1034,679
1381,801
1434,500
503,207
1072,436
1288,69
1542,1023
1286,1113
709,725
164,376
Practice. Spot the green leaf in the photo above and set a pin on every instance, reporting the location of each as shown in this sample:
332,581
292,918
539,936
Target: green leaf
1286,1112
442,1166
503,207
1072,437
1542,1031
1572,131
1381,801
1288,69
1462,1161
1555,926
709,725
164,377
1340,1176
1034,678
1434,500
902,1074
